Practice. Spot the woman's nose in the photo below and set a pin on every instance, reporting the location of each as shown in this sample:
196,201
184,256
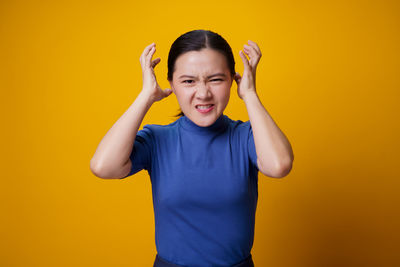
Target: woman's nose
203,91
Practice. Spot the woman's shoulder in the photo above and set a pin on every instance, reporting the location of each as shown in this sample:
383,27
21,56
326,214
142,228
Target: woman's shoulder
160,128
237,124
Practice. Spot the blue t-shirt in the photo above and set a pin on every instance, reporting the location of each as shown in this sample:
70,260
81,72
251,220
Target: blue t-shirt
205,189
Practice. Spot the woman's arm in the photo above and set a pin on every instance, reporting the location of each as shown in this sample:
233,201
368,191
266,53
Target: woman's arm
111,159
274,152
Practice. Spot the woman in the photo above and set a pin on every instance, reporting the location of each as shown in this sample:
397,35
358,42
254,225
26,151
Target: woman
203,166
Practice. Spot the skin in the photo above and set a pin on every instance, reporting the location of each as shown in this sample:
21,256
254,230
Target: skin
203,86
274,152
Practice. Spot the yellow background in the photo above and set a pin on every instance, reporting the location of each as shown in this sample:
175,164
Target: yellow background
329,77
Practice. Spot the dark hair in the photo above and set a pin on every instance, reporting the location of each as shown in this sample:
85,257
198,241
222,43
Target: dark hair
195,41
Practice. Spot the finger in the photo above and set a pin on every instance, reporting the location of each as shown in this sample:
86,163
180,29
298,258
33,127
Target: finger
245,61
255,46
250,51
150,55
148,48
145,52
254,56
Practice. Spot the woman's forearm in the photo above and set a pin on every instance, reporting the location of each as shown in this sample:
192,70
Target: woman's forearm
274,152
111,159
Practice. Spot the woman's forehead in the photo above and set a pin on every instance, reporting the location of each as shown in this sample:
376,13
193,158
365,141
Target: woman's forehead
204,62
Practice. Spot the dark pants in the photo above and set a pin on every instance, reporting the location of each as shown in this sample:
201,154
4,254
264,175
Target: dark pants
160,262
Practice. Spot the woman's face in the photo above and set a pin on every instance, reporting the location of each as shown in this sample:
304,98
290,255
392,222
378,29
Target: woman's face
202,82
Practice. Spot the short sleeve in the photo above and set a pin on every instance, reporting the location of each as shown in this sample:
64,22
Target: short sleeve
141,151
252,147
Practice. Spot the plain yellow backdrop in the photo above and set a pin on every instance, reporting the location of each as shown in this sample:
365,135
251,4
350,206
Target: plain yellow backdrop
329,77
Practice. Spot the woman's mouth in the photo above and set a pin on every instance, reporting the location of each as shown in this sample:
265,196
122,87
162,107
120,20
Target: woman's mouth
204,108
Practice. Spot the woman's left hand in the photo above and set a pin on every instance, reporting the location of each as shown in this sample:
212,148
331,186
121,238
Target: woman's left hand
247,83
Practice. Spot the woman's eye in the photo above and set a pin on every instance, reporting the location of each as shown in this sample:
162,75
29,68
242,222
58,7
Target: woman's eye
192,81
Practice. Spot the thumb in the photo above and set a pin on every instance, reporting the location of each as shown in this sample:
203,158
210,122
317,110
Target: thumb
167,91
237,77
155,62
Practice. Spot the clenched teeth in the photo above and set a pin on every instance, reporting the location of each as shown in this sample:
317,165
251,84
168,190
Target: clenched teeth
203,106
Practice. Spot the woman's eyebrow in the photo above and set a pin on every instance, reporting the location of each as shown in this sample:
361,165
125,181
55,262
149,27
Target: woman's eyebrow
210,76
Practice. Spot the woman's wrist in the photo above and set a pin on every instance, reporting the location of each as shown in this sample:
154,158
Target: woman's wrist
145,98
248,96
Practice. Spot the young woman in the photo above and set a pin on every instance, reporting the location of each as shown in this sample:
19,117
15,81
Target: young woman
203,166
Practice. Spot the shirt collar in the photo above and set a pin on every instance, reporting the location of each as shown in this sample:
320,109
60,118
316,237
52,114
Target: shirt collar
217,126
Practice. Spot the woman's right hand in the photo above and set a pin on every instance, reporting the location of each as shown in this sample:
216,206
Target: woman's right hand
151,88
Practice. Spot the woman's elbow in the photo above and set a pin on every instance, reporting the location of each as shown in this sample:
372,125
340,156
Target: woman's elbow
100,172
95,169
284,168
280,171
